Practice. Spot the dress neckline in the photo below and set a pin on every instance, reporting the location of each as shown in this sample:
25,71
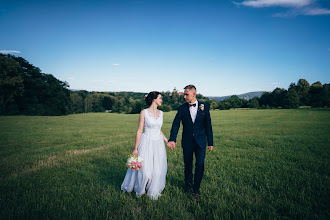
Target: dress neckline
160,112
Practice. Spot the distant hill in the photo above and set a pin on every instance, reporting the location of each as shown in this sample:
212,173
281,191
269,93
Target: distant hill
246,96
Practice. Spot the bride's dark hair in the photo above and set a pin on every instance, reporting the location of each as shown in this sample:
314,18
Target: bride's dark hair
151,96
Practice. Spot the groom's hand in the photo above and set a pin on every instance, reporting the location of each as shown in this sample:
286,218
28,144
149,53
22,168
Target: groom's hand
171,145
210,148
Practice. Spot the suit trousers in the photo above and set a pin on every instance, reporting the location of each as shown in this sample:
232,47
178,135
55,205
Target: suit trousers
199,166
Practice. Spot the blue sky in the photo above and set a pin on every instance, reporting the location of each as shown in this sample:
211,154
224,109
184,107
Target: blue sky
222,47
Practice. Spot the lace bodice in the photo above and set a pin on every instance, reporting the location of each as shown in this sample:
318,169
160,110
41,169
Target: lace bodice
153,125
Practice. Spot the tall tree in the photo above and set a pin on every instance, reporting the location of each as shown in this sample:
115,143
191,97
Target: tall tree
137,108
303,88
316,94
88,103
98,102
277,97
326,95
77,102
107,102
291,99
11,81
265,99
254,102
43,93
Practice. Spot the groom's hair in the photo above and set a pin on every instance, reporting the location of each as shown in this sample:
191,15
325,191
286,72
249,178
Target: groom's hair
190,87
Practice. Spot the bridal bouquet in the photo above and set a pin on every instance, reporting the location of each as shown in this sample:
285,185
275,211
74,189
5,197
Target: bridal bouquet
134,162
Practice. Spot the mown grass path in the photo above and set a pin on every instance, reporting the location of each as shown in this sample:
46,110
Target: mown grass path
267,164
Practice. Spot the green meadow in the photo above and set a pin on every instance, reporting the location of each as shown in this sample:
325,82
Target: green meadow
266,164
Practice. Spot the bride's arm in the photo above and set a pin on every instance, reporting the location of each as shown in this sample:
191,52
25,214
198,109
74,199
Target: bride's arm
139,132
165,139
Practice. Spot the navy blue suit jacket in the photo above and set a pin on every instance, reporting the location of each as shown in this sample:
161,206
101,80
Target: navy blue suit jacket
201,130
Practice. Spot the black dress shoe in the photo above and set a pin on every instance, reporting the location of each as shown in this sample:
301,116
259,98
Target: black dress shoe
196,197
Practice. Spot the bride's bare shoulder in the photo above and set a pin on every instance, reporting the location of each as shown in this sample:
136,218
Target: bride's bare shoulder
143,112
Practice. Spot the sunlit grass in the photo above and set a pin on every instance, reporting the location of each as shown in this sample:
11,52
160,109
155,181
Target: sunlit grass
266,164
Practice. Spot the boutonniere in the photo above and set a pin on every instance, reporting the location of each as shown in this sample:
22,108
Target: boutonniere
201,107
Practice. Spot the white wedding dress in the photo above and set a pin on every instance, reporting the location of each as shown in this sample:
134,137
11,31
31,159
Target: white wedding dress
151,178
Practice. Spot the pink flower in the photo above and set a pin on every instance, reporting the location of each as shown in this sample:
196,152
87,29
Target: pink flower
134,163
133,168
139,165
128,164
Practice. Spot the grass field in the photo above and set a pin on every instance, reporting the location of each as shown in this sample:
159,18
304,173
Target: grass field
267,164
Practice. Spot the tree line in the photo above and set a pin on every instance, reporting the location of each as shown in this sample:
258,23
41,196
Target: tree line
121,102
300,94
24,89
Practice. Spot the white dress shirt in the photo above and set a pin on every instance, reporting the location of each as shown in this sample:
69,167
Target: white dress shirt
193,111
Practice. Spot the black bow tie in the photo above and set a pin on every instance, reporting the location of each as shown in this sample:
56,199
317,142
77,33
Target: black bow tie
192,105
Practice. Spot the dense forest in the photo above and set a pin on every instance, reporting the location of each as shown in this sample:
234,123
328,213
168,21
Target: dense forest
300,94
24,89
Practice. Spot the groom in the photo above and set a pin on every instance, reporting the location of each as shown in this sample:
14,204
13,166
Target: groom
197,128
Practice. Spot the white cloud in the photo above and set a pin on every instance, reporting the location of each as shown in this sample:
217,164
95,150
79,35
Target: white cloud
10,51
115,64
316,11
297,7
290,13
275,3
272,84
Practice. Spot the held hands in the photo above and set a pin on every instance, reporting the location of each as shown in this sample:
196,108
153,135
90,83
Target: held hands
171,145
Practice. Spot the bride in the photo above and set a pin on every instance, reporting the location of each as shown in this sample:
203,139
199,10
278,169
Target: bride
150,146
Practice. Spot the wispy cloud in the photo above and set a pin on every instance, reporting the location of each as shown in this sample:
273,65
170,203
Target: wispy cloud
272,84
275,3
115,64
10,51
296,7
316,11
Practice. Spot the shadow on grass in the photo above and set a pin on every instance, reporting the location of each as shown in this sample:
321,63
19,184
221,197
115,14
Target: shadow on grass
111,172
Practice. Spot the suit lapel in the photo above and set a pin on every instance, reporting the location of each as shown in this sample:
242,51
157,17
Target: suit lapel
199,112
187,107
